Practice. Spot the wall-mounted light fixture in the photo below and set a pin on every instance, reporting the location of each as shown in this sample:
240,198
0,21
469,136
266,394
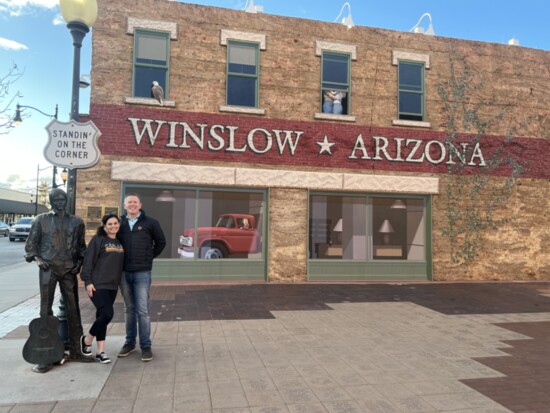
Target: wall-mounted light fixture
419,29
346,21
83,82
249,7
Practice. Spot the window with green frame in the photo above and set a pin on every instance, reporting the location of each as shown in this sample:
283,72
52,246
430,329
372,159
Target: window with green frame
411,90
359,227
206,223
335,83
151,60
242,73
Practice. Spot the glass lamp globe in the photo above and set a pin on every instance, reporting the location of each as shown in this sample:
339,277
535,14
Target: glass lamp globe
82,11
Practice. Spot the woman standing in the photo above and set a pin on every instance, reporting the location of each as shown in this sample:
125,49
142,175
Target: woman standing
101,273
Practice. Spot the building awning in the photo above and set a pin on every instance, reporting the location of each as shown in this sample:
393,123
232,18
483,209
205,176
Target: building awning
21,208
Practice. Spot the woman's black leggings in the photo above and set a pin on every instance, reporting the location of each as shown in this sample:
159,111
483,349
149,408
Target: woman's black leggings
103,301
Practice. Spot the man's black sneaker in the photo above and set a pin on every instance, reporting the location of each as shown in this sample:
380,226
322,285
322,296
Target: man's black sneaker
102,358
84,348
146,354
126,350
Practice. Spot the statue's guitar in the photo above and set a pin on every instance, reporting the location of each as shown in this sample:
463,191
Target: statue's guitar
44,346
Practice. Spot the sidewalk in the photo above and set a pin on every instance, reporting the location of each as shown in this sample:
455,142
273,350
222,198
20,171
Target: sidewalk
458,347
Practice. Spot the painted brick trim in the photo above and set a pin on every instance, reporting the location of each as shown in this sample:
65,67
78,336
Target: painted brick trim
321,45
226,35
162,26
270,178
414,56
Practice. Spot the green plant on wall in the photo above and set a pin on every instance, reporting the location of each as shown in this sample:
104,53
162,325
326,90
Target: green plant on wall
473,198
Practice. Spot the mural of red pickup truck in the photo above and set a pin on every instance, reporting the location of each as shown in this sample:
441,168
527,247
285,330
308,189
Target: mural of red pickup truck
233,235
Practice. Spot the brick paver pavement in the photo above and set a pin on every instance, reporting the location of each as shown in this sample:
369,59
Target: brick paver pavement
404,348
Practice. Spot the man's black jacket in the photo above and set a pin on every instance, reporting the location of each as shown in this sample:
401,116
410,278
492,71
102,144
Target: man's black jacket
141,244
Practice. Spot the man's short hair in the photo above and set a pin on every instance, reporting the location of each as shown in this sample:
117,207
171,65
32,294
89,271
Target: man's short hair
138,196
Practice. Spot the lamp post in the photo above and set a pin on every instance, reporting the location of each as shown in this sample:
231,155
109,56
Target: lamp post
80,15
18,120
38,170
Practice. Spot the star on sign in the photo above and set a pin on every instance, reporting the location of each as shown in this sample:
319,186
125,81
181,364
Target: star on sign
325,145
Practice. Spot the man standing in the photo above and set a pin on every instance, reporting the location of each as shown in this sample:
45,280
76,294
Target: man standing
56,242
143,240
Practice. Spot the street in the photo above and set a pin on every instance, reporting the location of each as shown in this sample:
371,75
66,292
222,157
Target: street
11,252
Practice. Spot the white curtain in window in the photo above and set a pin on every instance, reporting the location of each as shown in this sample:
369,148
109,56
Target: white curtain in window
244,55
152,47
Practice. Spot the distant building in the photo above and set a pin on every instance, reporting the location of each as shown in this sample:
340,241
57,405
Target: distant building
15,204
347,147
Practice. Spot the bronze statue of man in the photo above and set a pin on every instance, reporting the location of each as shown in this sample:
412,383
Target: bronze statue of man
56,242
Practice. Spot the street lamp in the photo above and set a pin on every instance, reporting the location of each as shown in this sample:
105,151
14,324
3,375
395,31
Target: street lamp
80,15
64,175
38,170
18,120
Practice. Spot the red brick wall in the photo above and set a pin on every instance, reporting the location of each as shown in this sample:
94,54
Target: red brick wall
118,139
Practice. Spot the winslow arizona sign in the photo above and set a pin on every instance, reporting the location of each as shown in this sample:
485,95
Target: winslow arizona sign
231,139
72,144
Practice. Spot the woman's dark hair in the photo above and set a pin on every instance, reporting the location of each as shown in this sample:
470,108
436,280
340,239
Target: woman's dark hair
101,230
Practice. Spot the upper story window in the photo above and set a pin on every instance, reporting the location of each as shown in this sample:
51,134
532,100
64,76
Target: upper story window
151,58
411,90
242,73
335,85
335,99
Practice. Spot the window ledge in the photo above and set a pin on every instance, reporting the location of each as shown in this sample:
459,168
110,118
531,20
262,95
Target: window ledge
148,102
241,109
329,116
413,123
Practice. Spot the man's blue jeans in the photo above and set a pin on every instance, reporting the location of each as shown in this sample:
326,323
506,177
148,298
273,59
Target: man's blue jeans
135,286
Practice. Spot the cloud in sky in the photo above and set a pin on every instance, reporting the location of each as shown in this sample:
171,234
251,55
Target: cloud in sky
20,7
8,44
58,20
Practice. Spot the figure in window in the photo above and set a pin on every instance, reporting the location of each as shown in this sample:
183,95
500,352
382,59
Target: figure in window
332,101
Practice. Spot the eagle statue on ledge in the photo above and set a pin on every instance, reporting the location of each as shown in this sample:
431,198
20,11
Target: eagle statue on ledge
157,92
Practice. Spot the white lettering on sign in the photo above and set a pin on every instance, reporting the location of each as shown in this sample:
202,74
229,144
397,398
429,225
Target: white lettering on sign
218,138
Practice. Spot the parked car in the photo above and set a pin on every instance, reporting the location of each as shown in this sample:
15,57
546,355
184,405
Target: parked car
4,229
233,234
20,230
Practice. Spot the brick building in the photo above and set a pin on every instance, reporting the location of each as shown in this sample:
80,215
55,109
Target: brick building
345,151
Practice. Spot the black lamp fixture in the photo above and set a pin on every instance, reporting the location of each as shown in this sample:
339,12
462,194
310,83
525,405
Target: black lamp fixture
80,15
64,176
84,81
18,119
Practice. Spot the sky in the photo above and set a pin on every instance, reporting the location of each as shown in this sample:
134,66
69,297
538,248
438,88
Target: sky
34,36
